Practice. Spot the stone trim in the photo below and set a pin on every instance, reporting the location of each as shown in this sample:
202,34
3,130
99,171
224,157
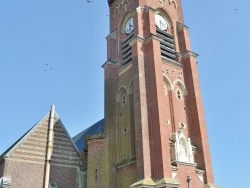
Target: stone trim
126,162
211,185
167,182
18,156
147,182
189,54
170,61
28,152
150,183
152,37
59,161
26,161
94,138
63,165
108,62
125,69
28,147
181,26
184,163
135,39
198,171
67,157
112,35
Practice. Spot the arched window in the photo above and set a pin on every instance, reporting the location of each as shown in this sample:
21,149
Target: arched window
125,128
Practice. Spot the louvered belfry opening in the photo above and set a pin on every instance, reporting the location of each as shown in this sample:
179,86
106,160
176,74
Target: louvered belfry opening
127,50
167,44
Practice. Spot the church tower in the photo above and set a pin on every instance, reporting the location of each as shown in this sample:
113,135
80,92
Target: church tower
155,132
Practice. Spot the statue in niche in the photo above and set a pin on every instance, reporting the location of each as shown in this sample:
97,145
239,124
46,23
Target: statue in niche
182,147
182,152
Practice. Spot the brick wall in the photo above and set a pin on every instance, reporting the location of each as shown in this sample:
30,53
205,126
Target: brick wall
183,172
64,176
26,163
95,166
156,115
126,176
65,160
24,174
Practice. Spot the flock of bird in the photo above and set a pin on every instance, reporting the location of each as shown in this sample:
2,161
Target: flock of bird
47,68
88,1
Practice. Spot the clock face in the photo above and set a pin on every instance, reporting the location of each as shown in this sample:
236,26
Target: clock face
129,26
160,22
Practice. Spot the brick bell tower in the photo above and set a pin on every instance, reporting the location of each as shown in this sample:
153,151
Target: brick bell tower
155,132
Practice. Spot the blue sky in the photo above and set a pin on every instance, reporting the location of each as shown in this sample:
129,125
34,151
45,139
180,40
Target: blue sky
67,39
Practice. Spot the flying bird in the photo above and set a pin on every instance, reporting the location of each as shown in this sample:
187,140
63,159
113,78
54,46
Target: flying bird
47,67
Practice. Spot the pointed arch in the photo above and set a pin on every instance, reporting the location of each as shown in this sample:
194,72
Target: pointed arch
181,85
168,82
121,91
174,2
125,123
130,88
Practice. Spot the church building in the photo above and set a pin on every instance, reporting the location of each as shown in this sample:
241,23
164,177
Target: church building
153,134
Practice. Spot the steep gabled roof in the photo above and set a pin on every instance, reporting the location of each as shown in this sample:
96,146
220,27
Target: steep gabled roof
68,135
22,138
97,128
12,148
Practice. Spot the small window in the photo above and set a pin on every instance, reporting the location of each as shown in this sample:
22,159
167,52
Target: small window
124,100
96,174
178,94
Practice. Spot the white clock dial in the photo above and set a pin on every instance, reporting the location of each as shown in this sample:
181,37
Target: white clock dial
129,26
160,22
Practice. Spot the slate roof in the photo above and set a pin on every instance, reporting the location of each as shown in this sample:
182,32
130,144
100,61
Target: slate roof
97,128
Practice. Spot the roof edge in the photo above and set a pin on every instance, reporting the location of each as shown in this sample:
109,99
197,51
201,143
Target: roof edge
22,138
68,135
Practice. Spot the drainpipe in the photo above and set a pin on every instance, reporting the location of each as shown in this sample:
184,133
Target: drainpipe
49,146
